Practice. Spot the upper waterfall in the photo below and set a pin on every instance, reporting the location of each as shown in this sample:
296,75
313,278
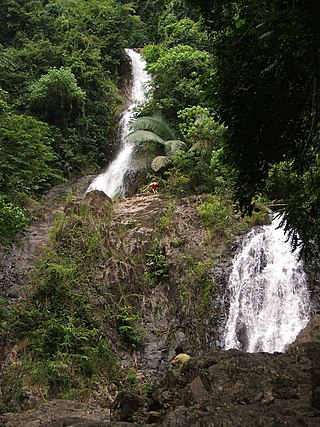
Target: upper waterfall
269,297
111,182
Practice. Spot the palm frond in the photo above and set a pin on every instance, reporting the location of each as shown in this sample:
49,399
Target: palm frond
139,136
159,162
155,123
173,145
142,164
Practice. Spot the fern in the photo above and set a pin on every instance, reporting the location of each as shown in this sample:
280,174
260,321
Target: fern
140,136
173,145
155,124
159,162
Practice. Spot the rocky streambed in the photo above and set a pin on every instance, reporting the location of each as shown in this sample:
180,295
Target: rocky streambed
220,388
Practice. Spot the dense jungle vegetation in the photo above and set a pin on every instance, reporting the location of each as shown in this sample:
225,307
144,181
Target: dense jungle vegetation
234,114
237,82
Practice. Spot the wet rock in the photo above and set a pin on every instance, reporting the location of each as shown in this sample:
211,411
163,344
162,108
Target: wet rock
219,388
315,387
75,421
125,406
77,187
154,417
99,201
267,399
311,333
58,413
198,390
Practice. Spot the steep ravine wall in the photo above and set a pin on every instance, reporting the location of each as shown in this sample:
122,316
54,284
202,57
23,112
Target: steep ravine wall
181,299
184,307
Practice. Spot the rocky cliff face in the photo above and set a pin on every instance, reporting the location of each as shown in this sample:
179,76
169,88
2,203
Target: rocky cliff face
178,268
231,388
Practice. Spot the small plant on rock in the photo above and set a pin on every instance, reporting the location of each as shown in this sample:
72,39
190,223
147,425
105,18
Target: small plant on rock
128,324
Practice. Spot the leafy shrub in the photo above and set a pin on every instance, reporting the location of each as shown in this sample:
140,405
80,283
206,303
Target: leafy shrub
27,158
157,267
12,221
57,95
185,32
214,214
66,340
128,324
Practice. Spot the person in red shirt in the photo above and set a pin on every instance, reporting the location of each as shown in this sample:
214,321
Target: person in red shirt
154,186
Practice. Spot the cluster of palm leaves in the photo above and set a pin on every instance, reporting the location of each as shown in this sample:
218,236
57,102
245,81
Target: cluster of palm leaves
154,129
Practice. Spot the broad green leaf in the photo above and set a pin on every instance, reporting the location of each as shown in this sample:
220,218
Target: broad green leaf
140,136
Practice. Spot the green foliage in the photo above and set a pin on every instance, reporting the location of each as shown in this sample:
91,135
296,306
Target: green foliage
208,294
154,130
175,11
131,380
56,95
64,62
152,52
140,136
185,32
79,235
5,59
265,91
179,184
223,175
64,329
282,180
150,11
214,214
63,50
13,221
157,267
199,127
191,173
196,287
4,319
27,156
200,170
178,242
301,218
177,81
155,124
128,324
12,397
65,350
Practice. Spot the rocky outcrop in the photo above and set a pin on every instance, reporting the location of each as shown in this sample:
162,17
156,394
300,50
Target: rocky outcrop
220,389
310,334
184,307
232,388
16,264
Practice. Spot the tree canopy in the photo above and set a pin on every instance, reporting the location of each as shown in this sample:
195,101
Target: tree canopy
265,90
62,65
250,67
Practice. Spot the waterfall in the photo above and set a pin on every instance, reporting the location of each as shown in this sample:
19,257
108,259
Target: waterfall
269,297
111,182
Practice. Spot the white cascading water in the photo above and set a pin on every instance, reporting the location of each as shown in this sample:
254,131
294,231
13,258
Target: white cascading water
111,182
269,297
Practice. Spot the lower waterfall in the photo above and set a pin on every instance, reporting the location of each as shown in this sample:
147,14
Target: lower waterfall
269,297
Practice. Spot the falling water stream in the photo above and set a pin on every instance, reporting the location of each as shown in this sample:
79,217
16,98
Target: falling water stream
111,182
269,297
